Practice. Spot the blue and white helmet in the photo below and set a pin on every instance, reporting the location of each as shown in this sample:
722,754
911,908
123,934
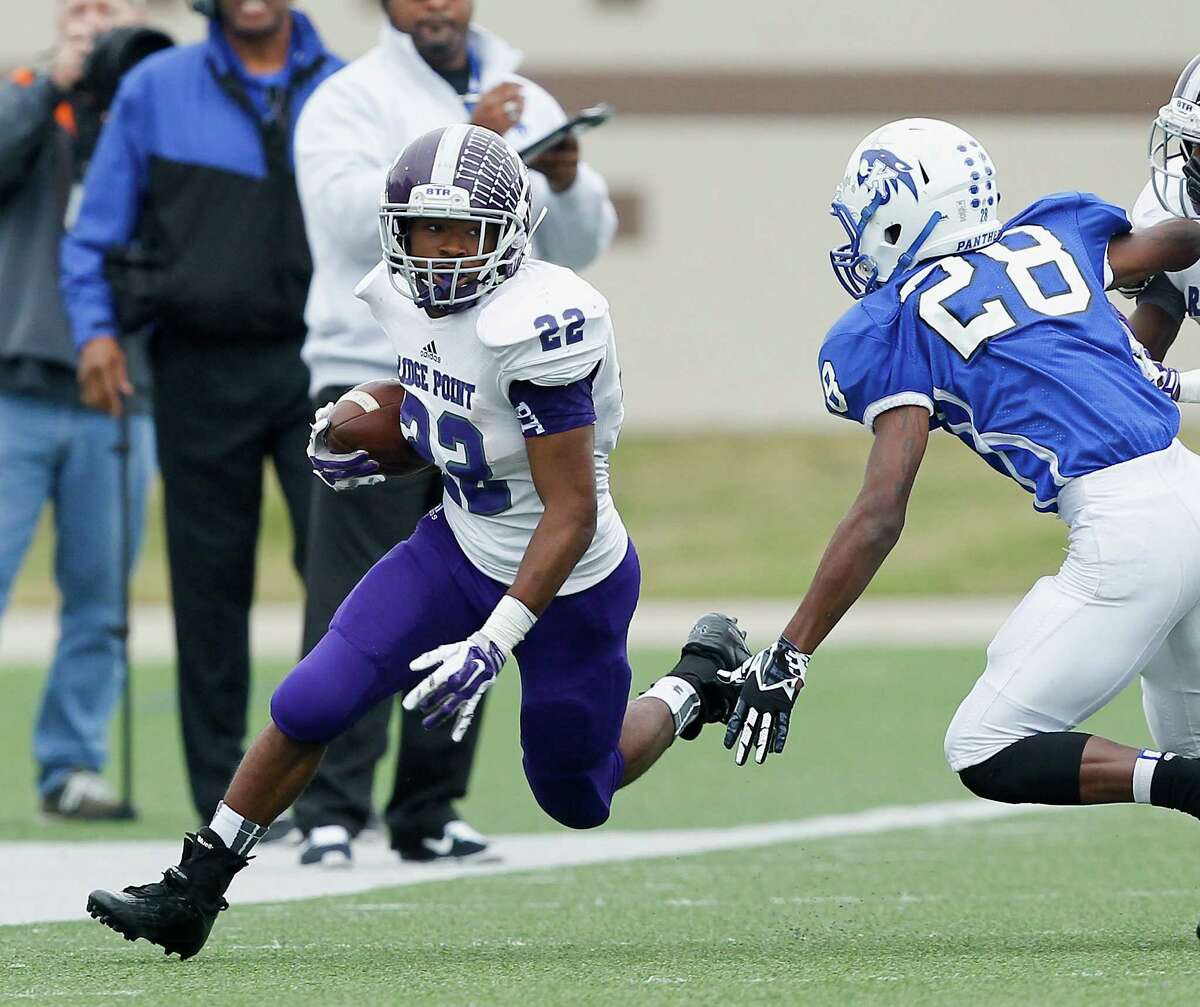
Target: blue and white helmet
1175,147
914,189
462,172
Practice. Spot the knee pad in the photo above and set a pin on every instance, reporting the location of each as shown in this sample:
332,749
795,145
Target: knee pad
327,692
1040,769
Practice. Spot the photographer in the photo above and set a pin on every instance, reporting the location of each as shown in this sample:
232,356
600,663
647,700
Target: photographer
56,449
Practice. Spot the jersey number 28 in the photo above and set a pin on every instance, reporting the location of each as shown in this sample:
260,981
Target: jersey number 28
993,318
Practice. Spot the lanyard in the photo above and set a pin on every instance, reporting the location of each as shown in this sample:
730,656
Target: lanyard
471,98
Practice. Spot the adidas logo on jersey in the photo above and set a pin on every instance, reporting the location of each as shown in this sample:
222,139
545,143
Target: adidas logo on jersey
429,352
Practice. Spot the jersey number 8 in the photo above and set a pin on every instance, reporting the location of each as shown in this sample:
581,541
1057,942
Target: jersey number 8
993,318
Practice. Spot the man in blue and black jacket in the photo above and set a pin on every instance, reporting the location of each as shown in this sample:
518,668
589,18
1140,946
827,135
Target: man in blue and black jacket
194,171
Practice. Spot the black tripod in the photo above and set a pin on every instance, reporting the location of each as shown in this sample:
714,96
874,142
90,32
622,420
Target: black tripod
121,630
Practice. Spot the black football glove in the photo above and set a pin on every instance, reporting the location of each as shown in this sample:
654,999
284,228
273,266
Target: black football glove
771,680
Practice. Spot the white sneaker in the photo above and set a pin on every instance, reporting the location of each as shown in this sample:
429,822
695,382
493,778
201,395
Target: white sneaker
82,796
327,846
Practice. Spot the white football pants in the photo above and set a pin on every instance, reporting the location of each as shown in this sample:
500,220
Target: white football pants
1127,600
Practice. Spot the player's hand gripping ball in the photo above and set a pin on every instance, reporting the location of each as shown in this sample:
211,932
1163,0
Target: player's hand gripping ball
357,441
771,680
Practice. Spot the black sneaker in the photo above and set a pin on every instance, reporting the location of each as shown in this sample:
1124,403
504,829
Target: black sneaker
721,645
178,912
457,841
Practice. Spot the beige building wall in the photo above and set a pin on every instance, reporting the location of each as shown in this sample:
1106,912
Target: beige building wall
762,34
723,293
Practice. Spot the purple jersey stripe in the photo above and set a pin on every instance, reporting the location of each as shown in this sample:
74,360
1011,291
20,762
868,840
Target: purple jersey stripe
552,409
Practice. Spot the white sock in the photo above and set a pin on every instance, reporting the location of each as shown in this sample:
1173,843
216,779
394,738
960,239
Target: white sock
1143,772
680,697
239,835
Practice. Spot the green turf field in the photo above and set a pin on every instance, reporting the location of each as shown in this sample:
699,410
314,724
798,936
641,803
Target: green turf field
1078,907
740,516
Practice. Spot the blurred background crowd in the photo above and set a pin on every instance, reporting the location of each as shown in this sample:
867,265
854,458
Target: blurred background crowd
187,198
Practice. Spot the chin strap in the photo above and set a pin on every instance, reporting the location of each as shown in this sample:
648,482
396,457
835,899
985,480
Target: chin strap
906,259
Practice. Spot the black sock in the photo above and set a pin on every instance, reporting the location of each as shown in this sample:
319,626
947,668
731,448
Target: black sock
695,664
1176,784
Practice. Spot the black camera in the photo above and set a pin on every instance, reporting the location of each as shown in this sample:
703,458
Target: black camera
113,55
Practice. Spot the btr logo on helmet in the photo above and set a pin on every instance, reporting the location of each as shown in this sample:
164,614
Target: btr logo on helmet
885,172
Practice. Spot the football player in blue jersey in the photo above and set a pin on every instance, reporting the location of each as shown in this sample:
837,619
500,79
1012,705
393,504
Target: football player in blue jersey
1001,334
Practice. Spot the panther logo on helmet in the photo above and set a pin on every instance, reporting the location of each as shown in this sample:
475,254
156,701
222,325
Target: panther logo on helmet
884,172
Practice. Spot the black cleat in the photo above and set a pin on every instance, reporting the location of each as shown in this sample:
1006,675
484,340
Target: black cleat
178,912
721,646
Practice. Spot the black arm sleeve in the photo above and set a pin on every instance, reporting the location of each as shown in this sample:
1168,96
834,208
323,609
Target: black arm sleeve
1162,293
26,122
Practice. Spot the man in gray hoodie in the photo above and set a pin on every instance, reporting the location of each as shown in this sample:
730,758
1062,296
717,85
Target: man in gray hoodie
55,449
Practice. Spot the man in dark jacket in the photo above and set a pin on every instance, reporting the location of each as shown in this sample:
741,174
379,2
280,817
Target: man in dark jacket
194,168
55,450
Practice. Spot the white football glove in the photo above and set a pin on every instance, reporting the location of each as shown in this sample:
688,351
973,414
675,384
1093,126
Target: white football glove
338,471
460,676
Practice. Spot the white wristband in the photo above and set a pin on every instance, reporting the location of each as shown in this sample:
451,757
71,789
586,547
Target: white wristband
509,622
1189,386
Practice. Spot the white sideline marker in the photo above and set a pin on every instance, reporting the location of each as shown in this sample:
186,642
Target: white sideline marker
49,881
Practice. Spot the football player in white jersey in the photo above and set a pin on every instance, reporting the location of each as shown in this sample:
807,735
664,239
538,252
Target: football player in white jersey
513,391
1173,191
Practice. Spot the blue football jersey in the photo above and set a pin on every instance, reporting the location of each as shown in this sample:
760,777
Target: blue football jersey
1013,347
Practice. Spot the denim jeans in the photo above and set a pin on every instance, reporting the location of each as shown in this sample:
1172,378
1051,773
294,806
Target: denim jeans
64,455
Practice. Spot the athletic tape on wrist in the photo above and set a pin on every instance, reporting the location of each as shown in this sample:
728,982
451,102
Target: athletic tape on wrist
1189,386
509,622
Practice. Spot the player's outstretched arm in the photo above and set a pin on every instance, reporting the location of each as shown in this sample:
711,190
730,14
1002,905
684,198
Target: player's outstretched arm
861,543
870,529
1168,247
459,674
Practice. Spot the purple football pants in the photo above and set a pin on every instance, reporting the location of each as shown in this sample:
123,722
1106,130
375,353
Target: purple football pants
575,674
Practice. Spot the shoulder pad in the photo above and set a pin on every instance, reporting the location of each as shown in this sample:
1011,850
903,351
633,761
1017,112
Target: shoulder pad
538,290
372,286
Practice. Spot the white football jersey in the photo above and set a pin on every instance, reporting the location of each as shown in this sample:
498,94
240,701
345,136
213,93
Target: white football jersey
1146,212
545,325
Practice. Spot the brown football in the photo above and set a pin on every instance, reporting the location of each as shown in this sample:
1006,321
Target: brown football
367,418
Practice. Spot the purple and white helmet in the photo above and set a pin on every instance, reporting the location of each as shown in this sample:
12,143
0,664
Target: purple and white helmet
1175,147
463,172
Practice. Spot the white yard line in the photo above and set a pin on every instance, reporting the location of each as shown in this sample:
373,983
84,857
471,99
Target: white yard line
28,634
43,882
